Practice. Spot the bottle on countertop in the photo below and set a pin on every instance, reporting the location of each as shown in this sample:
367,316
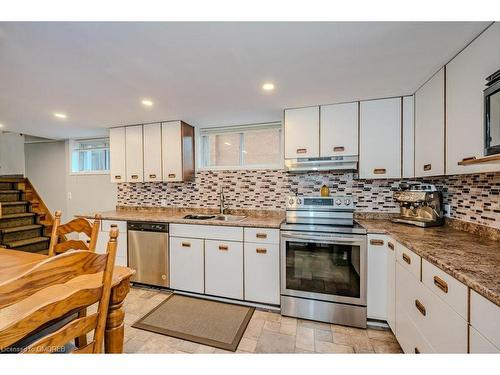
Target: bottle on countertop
325,191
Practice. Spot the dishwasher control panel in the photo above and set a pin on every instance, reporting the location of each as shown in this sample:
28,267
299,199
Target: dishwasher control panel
143,226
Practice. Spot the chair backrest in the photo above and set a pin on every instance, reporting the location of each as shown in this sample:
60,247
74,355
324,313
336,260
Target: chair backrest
54,289
60,244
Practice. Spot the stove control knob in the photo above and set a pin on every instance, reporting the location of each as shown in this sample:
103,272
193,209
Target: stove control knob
338,202
299,201
290,201
347,202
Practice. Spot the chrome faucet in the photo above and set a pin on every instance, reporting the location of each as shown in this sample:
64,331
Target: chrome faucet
222,201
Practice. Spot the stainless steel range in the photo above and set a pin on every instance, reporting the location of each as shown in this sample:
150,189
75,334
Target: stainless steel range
323,261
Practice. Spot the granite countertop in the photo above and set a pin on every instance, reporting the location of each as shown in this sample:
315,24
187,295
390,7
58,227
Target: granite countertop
254,219
472,259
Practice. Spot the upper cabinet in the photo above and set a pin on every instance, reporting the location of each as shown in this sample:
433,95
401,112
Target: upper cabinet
178,151
380,138
302,133
465,82
429,127
339,129
133,154
117,154
153,152
408,137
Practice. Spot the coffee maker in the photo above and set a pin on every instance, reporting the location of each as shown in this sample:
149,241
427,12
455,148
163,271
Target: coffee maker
420,205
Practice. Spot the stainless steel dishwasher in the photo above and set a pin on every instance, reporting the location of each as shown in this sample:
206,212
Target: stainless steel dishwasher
148,253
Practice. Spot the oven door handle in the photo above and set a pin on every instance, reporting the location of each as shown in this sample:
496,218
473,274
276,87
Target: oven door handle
321,238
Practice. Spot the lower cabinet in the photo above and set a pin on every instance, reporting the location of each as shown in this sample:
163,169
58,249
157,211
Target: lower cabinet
391,284
377,277
187,271
103,238
478,344
484,325
262,280
224,268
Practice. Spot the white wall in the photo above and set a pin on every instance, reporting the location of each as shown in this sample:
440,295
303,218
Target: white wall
48,168
11,154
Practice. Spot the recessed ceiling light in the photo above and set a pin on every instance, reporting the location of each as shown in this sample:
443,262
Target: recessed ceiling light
1,126
227,143
147,102
59,115
268,86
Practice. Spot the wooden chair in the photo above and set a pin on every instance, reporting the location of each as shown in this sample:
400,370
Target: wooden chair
59,243
52,290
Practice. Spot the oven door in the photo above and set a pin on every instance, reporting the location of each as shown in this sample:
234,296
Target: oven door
324,266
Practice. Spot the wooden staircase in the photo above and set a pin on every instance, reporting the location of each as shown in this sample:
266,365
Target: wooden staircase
25,221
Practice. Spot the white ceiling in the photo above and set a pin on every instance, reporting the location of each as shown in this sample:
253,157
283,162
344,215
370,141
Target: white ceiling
208,74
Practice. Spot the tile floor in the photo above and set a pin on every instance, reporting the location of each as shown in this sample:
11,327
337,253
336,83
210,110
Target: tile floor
266,333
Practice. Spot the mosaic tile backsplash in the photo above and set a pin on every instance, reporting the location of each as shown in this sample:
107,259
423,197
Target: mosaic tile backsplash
474,198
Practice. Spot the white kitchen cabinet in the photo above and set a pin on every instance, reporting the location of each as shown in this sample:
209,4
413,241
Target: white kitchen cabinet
478,344
408,259
429,127
209,232
465,82
339,129
262,235
377,277
152,152
262,280
439,324
187,270
380,138
224,268
178,151
302,132
122,241
133,155
485,318
408,137
391,283
117,153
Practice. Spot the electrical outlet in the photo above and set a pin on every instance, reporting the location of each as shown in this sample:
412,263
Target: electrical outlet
447,210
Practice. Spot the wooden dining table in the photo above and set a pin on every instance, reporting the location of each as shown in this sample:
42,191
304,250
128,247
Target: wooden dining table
13,263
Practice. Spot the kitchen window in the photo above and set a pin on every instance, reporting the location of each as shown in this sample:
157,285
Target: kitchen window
89,156
256,146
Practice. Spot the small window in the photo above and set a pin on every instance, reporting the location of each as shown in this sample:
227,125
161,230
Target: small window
242,147
89,156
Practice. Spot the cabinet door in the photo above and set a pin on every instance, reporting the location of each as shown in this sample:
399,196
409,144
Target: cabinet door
187,264
465,79
262,280
152,152
380,138
172,150
408,137
478,344
134,157
377,277
117,154
429,127
302,133
391,283
339,129
224,268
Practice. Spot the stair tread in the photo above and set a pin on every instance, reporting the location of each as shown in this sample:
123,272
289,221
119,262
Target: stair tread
28,241
9,191
14,203
20,228
14,216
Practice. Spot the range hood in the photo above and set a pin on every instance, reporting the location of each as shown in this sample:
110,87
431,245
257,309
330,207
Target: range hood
332,163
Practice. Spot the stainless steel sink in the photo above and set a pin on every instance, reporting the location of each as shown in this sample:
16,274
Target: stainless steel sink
229,218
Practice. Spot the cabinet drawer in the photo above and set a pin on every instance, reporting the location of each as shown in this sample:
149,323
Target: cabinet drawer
408,259
121,225
262,273
409,337
442,327
485,317
187,264
224,268
449,289
479,344
211,232
262,235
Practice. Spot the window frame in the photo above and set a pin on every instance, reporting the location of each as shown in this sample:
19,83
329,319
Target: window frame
71,149
204,150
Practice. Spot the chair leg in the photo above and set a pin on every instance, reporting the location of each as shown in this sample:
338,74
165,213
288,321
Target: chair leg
81,341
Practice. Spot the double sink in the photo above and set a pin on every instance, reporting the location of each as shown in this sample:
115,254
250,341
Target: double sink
220,217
